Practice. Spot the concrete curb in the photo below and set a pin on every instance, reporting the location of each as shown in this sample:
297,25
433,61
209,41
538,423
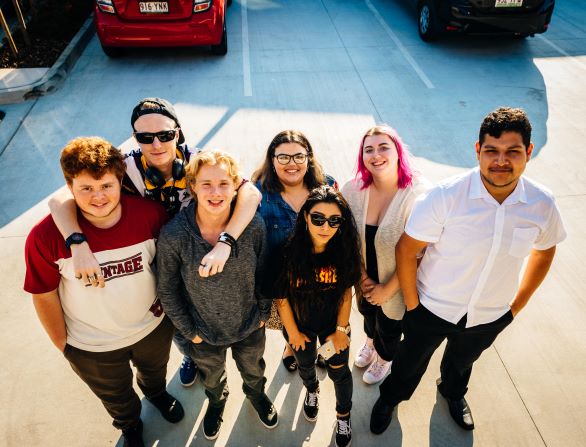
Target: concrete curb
53,78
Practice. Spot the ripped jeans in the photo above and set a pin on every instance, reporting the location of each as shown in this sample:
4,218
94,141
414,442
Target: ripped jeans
342,377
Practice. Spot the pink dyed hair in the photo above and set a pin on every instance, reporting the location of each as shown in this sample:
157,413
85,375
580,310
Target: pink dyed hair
404,170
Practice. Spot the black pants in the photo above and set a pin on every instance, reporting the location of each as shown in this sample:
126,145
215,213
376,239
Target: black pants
248,355
385,332
423,333
109,376
341,376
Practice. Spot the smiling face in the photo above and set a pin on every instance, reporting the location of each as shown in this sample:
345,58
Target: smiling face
98,200
321,235
158,155
214,190
379,155
291,174
502,161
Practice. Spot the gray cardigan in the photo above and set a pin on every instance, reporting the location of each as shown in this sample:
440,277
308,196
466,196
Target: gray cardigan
389,231
224,308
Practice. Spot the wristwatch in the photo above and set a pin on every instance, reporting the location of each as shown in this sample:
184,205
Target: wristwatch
344,329
75,238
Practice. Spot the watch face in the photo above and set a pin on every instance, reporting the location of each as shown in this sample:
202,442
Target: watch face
77,237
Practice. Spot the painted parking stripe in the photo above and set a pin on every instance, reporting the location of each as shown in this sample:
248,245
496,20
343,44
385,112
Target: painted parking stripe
245,51
575,60
400,46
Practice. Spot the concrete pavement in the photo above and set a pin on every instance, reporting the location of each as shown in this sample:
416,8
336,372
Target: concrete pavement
330,68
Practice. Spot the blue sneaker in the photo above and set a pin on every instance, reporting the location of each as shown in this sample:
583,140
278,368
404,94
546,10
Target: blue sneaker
187,372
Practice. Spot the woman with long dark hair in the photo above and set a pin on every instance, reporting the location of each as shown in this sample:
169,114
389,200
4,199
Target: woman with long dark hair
288,172
321,264
381,197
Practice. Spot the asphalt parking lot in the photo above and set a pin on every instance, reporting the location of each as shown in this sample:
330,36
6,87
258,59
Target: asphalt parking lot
330,68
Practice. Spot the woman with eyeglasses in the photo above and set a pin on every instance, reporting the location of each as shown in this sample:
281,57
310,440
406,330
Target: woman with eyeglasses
288,172
381,197
156,170
321,264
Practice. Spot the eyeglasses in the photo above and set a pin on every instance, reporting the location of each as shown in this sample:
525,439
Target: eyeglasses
147,137
319,220
285,159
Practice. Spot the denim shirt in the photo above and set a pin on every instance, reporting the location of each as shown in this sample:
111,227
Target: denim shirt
279,218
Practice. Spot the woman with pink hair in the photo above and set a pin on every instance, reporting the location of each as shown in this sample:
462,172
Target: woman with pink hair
381,197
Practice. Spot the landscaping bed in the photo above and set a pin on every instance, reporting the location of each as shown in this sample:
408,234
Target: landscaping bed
52,25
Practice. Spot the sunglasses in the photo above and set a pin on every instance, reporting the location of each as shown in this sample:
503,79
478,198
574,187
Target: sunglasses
147,137
285,159
319,220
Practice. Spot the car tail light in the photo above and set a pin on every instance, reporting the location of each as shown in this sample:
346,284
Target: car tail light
201,5
106,6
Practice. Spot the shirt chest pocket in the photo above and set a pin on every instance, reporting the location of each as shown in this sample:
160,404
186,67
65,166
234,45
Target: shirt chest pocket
522,241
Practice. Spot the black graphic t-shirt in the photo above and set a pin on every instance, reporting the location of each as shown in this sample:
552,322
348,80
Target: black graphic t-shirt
321,298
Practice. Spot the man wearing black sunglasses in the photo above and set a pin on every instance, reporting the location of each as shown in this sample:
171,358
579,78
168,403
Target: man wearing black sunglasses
157,170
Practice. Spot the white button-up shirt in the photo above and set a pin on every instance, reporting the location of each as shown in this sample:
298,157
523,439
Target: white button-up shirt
477,246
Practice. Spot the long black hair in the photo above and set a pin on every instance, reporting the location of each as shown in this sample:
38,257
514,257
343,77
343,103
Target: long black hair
297,280
266,174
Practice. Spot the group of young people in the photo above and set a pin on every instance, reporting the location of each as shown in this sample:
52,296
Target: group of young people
212,259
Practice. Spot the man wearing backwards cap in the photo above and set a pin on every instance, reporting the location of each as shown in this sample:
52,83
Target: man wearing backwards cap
156,171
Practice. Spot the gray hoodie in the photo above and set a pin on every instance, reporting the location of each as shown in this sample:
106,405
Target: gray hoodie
224,308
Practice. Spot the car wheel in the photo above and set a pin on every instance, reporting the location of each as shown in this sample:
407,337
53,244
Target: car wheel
112,51
427,21
222,48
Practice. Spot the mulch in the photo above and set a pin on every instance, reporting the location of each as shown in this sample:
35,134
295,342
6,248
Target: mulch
42,52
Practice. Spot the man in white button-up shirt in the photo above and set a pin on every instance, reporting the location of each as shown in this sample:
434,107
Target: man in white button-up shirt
477,229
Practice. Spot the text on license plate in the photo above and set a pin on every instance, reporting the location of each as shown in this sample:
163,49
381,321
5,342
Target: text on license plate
154,7
508,3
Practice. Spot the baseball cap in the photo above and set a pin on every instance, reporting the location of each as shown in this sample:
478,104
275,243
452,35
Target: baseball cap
164,108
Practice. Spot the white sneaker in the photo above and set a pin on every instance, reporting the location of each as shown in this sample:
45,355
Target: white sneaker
365,355
376,371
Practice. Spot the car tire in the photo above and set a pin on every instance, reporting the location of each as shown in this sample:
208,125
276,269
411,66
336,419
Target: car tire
427,21
222,48
112,52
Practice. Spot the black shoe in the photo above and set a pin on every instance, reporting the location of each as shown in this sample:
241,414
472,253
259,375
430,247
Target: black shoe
212,421
169,407
133,436
267,413
381,416
311,405
459,410
289,362
320,362
343,431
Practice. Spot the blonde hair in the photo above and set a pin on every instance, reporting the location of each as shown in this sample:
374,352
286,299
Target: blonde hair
213,158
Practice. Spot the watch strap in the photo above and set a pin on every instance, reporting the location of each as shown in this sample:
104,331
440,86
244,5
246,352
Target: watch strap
75,238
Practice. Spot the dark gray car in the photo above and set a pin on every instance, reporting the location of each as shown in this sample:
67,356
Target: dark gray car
520,18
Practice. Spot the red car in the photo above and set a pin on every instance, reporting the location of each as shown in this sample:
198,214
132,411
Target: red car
169,23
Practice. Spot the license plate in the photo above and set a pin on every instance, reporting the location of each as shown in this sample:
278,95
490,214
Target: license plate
508,3
153,7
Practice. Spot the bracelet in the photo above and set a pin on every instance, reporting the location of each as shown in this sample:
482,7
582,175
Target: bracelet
228,239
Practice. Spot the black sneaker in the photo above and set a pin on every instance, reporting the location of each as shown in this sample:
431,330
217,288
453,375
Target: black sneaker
212,421
311,405
133,436
343,431
187,371
267,413
170,408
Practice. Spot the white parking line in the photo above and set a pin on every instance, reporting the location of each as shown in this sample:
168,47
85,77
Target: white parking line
245,51
399,45
562,51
